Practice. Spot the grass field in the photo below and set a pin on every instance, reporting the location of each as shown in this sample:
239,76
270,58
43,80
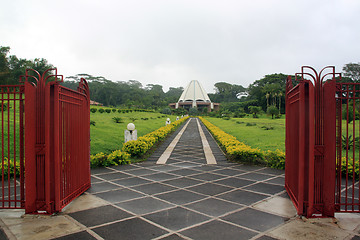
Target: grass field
107,136
263,133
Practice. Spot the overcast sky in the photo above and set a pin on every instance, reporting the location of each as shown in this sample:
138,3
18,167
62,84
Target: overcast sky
171,42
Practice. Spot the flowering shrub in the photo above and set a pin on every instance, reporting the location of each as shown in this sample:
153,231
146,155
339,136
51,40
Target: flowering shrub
139,147
350,167
9,168
118,157
239,151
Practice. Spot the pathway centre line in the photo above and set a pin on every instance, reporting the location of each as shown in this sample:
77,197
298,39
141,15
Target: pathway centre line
166,154
210,159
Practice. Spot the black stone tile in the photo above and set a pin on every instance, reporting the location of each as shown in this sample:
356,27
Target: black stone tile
144,205
176,218
133,181
254,219
235,182
160,176
255,176
278,180
132,229
75,236
164,168
95,180
125,167
153,188
208,176
102,186
180,197
188,164
272,171
266,188
356,238
218,230
101,170
213,207
182,182
141,171
242,197
210,189
3,235
99,215
245,167
114,176
184,172
228,172
119,195
172,237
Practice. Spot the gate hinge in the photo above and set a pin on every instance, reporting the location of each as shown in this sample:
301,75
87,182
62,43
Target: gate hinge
319,150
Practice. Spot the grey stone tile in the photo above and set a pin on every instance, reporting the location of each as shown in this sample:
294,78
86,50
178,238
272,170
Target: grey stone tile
102,186
133,181
75,236
218,230
208,176
254,219
242,197
160,176
153,188
144,205
266,188
119,195
255,176
235,182
99,215
210,189
214,207
183,182
176,218
180,197
132,229
113,175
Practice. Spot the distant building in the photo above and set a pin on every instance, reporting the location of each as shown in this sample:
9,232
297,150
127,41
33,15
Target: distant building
95,103
194,95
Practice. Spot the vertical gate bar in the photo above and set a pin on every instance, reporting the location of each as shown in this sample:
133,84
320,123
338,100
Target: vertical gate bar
310,146
21,132
8,145
339,145
14,125
353,150
347,146
47,142
2,148
301,146
57,159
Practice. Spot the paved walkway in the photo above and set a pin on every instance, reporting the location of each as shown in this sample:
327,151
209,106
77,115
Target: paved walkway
182,194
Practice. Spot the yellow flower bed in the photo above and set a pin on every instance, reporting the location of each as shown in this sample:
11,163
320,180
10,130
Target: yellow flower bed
239,151
143,144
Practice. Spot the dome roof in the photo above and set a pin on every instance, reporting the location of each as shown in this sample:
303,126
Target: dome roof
194,92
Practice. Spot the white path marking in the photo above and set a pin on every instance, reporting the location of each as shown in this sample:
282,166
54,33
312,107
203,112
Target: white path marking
210,159
166,154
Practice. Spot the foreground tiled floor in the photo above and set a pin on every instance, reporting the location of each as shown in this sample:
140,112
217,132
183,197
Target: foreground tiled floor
182,199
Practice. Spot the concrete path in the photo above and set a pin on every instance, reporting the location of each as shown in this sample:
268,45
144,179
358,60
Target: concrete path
182,197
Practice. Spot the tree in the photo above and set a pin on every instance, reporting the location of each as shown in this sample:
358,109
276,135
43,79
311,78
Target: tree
226,92
352,70
193,111
254,110
272,110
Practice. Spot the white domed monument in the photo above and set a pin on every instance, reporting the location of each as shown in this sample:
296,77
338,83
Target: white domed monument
194,95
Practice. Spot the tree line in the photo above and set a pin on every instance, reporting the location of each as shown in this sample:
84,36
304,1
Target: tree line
266,94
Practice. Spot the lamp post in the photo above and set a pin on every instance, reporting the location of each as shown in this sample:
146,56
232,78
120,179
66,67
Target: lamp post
130,132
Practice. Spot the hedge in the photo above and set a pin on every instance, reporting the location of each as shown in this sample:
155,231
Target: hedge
238,151
139,147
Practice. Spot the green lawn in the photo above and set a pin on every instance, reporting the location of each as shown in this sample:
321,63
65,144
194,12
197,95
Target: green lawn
256,134
107,136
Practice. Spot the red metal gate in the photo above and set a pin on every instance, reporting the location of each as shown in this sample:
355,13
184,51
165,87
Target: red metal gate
311,142
12,146
347,147
57,136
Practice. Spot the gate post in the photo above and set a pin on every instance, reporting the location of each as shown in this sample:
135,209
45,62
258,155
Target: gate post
330,150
